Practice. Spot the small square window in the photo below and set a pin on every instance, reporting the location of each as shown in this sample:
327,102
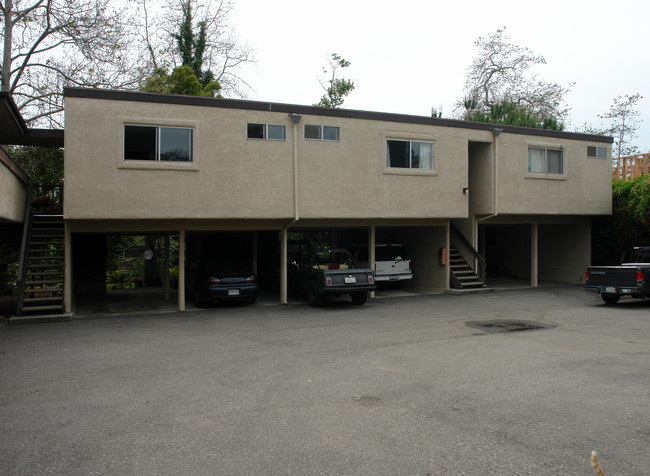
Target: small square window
276,132
312,132
255,131
331,133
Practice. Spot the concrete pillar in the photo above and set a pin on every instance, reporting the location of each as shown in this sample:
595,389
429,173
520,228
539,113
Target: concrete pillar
534,255
283,267
67,267
167,280
181,270
371,250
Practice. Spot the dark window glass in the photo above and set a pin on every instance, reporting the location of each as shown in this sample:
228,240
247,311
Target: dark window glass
398,154
312,132
139,143
255,131
331,133
175,144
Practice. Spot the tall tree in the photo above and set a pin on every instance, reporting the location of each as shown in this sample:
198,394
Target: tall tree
198,34
48,44
336,89
623,114
500,74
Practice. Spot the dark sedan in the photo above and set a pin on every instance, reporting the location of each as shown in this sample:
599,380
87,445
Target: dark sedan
226,282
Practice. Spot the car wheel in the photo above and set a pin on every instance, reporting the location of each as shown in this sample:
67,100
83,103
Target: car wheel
359,298
610,298
315,299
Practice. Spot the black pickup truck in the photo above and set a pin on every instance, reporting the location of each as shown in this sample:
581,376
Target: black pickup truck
329,272
631,278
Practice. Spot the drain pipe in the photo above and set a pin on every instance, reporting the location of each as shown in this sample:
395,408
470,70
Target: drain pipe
295,118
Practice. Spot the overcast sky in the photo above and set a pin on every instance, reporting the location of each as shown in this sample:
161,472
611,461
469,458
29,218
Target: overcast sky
411,55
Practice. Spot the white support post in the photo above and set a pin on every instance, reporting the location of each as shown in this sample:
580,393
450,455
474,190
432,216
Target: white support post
371,251
534,255
181,270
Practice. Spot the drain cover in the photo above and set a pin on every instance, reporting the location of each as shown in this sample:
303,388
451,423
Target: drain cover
508,325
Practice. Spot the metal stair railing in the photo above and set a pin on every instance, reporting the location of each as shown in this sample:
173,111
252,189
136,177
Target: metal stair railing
479,261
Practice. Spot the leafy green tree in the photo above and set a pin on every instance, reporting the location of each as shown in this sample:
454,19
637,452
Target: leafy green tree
194,33
182,80
192,45
336,89
510,114
43,165
629,224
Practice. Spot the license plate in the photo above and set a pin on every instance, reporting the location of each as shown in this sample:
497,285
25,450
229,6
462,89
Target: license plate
350,280
233,292
394,278
625,291
610,289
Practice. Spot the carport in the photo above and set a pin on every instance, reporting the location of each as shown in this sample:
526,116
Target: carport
536,249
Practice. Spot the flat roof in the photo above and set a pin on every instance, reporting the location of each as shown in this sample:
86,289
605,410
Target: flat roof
115,95
14,131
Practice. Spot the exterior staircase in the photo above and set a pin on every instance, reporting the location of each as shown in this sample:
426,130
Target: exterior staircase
41,287
463,275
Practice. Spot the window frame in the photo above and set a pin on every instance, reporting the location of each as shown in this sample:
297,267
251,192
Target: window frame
597,152
546,172
410,168
265,131
158,142
321,132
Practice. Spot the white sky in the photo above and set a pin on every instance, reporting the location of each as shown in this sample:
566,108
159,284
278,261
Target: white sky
410,55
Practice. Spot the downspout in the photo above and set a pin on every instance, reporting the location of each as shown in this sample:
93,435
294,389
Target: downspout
295,118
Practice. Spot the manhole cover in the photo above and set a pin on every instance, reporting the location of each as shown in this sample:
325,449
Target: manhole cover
508,325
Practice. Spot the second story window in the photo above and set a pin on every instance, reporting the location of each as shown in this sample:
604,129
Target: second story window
597,152
545,161
266,131
317,132
158,143
409,154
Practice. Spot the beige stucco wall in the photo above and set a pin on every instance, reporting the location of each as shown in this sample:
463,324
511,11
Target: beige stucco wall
12,196
585,188
234,177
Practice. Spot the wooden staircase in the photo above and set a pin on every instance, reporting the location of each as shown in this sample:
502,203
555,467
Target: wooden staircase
463,275
41,289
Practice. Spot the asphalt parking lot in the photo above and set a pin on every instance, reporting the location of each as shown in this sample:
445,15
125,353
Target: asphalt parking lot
399,386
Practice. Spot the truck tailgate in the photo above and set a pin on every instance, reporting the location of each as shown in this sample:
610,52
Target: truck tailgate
612,275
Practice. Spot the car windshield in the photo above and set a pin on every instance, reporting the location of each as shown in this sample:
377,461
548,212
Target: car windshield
335,259
390,253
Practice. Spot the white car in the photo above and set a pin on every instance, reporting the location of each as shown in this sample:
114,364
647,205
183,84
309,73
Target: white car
391,261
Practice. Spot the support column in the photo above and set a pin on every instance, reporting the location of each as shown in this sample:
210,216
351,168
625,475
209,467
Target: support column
283,266
181,270
167,244
371,251
67,271
534,255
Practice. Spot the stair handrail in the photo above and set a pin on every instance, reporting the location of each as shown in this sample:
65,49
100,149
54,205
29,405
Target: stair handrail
480,260
22,266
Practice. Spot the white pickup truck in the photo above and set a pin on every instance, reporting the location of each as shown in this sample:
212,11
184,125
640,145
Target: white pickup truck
391,261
